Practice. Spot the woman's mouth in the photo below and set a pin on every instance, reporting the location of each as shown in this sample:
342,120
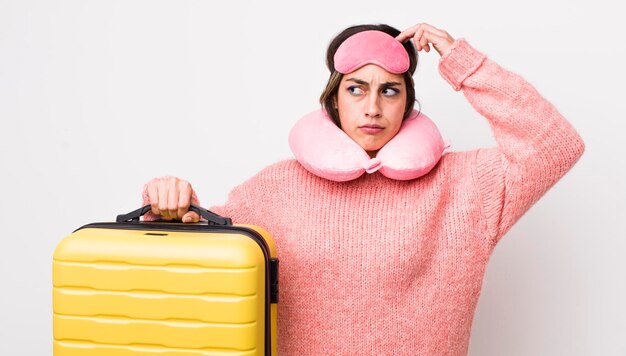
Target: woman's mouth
371,129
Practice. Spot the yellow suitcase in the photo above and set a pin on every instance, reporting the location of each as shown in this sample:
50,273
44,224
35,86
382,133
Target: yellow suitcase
131,288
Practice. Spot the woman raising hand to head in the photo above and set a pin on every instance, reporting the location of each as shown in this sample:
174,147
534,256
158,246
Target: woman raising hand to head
383,237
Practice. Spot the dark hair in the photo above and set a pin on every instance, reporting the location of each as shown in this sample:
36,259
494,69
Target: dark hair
329,94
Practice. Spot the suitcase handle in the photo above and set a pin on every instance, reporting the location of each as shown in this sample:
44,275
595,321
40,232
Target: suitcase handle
211,217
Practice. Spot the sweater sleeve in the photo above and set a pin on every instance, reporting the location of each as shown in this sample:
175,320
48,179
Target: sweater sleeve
536,146
236,206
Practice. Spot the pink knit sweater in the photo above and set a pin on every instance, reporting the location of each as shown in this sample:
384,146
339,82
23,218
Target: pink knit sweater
377,266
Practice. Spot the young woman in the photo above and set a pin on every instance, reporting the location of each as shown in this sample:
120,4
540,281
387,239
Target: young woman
392,261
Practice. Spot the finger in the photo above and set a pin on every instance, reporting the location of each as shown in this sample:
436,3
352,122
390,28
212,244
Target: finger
403,36
439,40
172,199
432,29
153,197
407,34
434,35
417,39
416,44
190,217
439,32
184,198
163,196
424,41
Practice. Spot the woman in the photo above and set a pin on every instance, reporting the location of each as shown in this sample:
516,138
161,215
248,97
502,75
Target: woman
374,265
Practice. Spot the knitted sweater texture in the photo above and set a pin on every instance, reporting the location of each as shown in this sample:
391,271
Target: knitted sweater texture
376,266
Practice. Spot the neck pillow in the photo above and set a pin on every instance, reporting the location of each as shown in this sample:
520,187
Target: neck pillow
328,152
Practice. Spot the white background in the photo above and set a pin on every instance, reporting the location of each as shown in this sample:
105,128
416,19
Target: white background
97,97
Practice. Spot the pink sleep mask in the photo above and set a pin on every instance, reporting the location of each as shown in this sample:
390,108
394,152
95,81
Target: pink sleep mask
371,47
328,152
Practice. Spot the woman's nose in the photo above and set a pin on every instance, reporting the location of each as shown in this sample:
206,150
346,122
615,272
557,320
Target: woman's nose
373,106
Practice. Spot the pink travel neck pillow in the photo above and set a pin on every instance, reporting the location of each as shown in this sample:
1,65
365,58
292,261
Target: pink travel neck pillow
328,152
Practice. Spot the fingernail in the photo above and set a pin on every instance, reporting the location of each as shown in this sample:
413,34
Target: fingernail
187,219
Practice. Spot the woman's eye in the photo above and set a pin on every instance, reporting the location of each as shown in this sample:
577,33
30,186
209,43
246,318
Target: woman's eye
390,91
354,90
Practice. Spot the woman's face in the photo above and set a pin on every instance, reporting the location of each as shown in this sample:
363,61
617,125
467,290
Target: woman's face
371,103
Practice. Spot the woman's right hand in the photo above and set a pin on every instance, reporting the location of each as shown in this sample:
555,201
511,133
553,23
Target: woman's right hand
170,198
425,35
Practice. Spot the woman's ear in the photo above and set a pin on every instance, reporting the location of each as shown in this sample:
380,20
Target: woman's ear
335,102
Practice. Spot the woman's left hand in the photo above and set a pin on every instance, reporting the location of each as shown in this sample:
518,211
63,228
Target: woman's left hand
425,35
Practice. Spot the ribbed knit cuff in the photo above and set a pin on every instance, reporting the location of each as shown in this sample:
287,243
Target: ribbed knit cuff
459,63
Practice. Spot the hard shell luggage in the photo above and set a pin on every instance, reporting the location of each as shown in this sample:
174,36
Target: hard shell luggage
131,288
